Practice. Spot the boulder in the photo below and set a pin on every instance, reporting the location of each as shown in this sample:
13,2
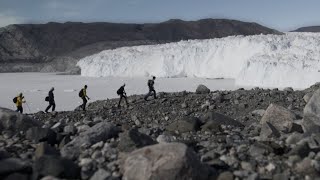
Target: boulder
185,124
217,97
302,150
258,112
70,129
202,89
4,154
17,176
101,174
13,121
171,161
163,138
133,139
269,131
311,114
55,166
38,134
259,149
45,149
220,119
279,117
227,175
307,97
294,138
97,133
305,167
288,89
12,165
211,126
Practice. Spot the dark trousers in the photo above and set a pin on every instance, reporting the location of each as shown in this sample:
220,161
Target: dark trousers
122,96
84,103
51,104
19,109
150,94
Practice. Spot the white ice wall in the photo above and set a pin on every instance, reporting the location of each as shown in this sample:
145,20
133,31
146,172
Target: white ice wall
261,60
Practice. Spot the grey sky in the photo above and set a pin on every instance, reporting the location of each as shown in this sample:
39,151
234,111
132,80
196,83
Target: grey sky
279,14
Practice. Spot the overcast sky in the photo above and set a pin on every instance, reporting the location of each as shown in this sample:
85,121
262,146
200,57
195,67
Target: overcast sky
283,15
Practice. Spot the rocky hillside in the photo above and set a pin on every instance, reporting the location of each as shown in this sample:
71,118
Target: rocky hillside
308,29
242,134
57,47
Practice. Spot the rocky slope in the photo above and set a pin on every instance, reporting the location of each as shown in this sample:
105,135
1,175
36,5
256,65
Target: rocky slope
243,134
308,29
57,47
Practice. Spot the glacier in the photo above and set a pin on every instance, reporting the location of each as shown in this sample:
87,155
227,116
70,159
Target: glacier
279,61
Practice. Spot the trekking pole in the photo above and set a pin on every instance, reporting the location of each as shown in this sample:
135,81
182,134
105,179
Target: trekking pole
28,107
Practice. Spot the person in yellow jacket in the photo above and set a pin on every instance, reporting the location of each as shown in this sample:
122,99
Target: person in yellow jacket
84,97
19,103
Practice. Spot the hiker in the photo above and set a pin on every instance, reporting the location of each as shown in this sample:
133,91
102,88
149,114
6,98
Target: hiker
151,88
83,95
19,100
50,99
122,93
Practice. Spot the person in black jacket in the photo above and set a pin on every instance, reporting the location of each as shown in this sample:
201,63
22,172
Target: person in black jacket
151,88
83,95
51,101
122,93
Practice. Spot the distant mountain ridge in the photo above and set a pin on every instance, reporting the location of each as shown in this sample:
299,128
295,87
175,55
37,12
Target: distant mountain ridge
58,46
308,29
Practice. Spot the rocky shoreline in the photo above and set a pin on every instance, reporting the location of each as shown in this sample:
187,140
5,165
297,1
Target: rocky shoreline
241,134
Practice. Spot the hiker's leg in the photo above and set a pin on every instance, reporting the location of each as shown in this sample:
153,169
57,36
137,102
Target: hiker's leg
53,106
125,97
48,107
147,95
154,94
84,103
21,110
120,100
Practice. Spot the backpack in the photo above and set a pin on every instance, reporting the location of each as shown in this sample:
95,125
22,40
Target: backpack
81,93
47,98
120,90
15,100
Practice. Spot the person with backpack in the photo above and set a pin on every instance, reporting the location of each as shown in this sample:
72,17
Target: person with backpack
122,93
83,95
50,99
151,89
18,101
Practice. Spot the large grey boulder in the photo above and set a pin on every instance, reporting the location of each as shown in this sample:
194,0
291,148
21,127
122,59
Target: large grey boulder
133,139
202,89
170,161
307,97
311,114
13,121
97,133
279,117
43,149
220,119
269,131
55,166
12,165
38,134
185,124
101,174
